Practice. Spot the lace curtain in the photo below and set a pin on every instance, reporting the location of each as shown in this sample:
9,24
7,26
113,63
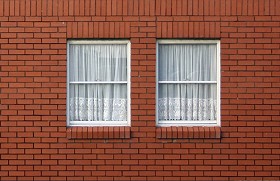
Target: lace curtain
186,100
98,88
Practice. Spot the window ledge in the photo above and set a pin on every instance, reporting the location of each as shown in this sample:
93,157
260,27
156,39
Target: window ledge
98,132
188,132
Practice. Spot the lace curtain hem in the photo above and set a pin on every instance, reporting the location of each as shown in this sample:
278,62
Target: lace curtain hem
93,109
187,109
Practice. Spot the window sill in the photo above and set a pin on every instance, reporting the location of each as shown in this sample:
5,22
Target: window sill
188,132
98,132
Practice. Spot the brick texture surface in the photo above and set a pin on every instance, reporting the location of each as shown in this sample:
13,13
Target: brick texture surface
33,133
188,132
98,132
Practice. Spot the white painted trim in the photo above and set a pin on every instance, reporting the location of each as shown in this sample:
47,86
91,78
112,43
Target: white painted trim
98,42
186,122
99,82
188,42
157,85
67,85
164,123
128,83
100,123
187,82
218,83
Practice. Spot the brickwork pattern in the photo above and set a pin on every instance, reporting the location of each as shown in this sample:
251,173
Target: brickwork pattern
33,132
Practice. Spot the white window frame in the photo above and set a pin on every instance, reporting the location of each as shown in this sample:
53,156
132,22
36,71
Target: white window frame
209,123
100,123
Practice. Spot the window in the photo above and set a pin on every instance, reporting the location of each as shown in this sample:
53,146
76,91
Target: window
188,83
98,83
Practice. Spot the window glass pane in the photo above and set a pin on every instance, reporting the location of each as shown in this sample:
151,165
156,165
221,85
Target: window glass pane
192,102
98,102
187,62
98,62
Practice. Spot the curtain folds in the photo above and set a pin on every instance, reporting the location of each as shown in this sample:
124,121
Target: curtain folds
187,101
89,99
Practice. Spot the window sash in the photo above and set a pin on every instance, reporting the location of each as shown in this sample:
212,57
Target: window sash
217,82
127,82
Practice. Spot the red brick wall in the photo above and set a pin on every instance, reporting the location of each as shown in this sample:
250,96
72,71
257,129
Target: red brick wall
34,144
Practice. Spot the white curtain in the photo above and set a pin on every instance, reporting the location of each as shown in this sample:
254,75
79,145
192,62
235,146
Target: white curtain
102,101
187,101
